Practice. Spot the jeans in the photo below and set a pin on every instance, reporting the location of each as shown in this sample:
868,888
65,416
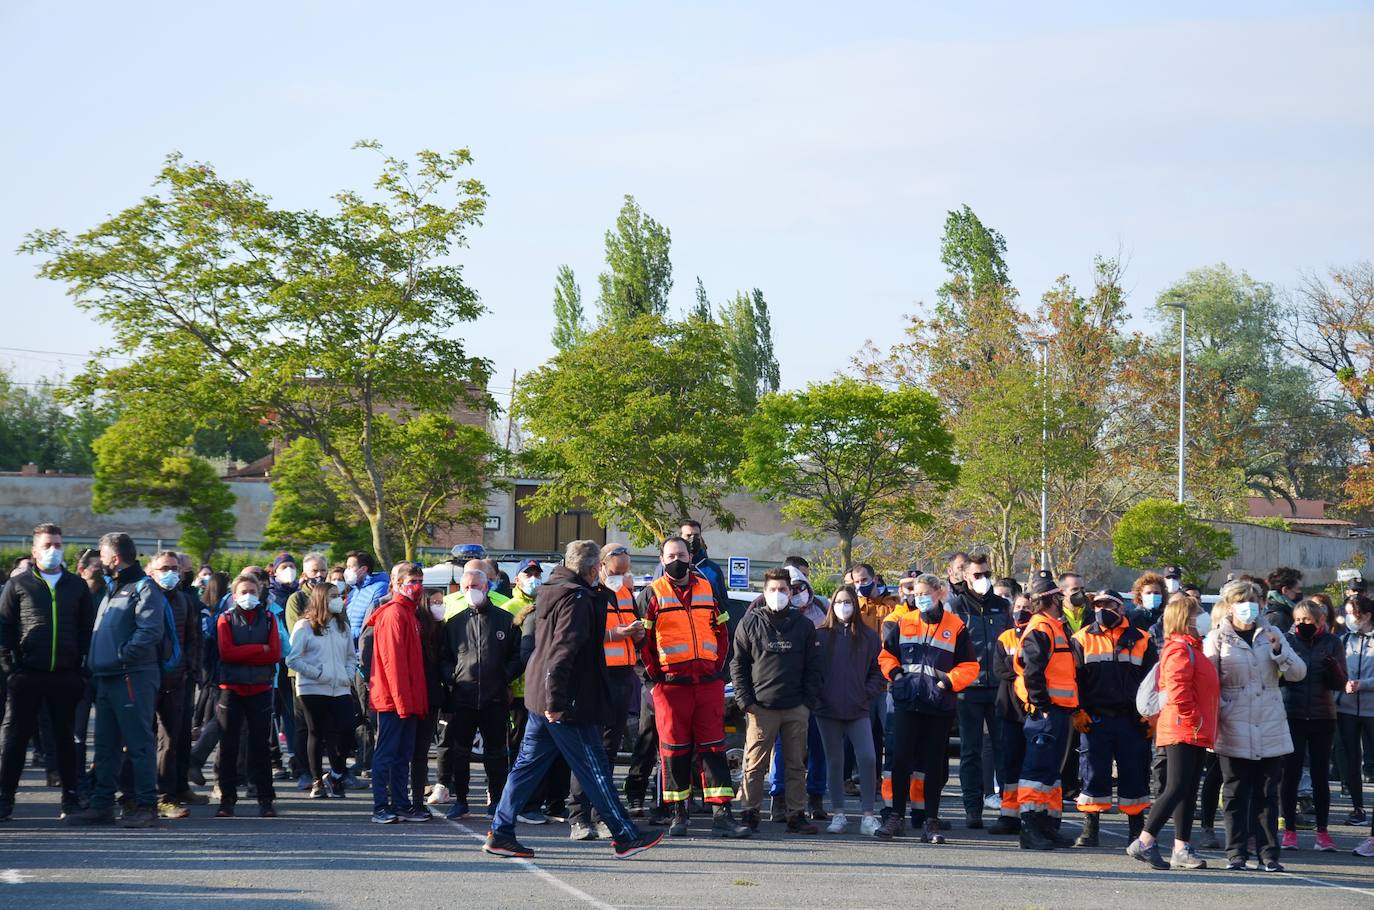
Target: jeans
391,756
580,745
859,734
124,722
977,710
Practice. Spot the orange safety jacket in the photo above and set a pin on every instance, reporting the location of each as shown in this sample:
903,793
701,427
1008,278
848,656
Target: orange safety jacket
684,632
619,611
1061,680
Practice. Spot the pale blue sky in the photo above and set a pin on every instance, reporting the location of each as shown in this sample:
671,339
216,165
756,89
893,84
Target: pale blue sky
808,149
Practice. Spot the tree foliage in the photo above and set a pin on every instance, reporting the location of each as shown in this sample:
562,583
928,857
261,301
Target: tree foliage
1155,533
314,324
569,324
37,428
307,510
838,454
749,356
638,421
639,271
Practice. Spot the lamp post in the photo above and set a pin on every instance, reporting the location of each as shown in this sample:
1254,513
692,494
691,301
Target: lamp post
1182,372
1044,345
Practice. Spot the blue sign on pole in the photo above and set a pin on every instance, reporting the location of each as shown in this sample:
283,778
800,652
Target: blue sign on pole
739,573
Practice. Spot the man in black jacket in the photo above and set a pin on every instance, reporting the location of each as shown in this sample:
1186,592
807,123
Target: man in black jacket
46,615
569,699
479,657
986,616
776,670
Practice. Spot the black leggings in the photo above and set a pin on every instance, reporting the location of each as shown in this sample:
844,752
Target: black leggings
919,740
1352,729
1179,796
329,718
1211,790
1311,739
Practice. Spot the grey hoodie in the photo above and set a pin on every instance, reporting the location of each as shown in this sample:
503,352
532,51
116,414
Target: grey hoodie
128,627
1359,663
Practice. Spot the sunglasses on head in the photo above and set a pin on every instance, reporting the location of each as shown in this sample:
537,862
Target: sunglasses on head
618,551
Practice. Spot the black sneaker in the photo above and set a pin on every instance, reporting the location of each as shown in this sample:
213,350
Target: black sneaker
1357,817
506,845
1005,824
384,816
141,817
645,841
7,810
723,824
973,821
1270,866
750,819
414,814
1235,864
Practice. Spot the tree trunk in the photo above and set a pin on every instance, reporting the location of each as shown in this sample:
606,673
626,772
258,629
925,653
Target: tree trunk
847,550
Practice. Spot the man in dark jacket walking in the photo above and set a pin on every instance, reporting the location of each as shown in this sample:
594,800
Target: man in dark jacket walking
986,616
777,675
124,661
46,616
479,658
568,694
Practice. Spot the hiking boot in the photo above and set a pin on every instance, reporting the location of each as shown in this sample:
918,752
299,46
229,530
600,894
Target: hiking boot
579,830
629,848
1089,836
1207,839
974,822
892,826
678,826
723,824
168,809
92,816
1185,857
1005,824
931,834
1148,855
141,817
750,819
1033,836
777,809
1054,834
505,845
815,805
798,824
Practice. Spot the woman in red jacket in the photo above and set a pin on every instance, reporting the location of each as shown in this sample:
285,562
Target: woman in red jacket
1186,729
249,648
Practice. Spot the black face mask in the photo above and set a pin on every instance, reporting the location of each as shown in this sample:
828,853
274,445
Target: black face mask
1021,617
695,545
1080,599
676,570
1108,619
1306,630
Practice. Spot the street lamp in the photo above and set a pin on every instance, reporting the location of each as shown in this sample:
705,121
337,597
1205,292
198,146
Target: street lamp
1044,345
1182,370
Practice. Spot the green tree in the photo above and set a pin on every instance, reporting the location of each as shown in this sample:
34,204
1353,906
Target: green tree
308,510
839,454
701,309
639,272
637,422
749,348
313,324
569,324
146,460
975,256
1157,532
36,427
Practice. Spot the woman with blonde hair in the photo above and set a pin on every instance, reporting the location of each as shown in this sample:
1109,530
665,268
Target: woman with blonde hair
1252,737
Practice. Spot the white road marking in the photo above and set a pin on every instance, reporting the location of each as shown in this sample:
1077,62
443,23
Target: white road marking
544,874
12,877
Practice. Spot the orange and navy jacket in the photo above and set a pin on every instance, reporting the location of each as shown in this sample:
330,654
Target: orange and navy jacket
1008,706
688,614
1110,664
918,655
620,609
1046,672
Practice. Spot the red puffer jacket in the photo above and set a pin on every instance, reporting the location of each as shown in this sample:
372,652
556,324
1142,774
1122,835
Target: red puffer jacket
397,679
1194,693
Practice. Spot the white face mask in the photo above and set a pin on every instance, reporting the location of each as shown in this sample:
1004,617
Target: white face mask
530,585
350,577
286,575
1204,624
1245,612
437,611
50,559
776,600
336,605
800,600
615,582
844,609
246,601
981,586
1171,584
340,586
476,596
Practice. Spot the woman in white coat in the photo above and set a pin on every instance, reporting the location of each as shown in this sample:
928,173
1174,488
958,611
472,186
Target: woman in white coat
323,657
1252,731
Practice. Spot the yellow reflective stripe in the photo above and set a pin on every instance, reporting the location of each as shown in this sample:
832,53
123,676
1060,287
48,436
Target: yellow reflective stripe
727,792
677,796
723,617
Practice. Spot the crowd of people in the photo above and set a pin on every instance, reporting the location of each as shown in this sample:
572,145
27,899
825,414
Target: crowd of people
337,679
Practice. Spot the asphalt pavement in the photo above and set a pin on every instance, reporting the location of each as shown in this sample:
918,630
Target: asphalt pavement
327,853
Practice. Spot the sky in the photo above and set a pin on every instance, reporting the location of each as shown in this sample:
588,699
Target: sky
811,150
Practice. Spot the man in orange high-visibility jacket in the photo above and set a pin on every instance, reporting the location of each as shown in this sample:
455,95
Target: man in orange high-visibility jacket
685,649
1047,686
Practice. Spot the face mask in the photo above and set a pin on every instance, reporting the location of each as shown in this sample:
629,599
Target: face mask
1305,630
1204,624
1152,601
1245,613
1171,584
866,589
476,596
981,586
49,559
340,586
799,600
336,605
247,602
412,590
169,579
694,544
1021,617
437,611
615,582
1080,599
776,600
676,570
286,575
926,605
1108,619
844,609
530,585
350,577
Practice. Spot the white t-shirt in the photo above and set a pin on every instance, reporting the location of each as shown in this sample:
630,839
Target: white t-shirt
51,578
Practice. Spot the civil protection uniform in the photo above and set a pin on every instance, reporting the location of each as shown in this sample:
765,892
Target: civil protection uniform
1047,687
1111,664
1011,713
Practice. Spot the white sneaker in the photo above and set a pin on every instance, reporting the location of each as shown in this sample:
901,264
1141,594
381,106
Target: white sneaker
438,795
869,826
837,823
1366,847
993,801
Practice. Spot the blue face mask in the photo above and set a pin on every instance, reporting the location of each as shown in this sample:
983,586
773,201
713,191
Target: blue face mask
1152,601
867,588
1245,613
169,580
926,604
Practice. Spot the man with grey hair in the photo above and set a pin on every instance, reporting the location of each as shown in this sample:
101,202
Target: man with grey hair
567,691
124,662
